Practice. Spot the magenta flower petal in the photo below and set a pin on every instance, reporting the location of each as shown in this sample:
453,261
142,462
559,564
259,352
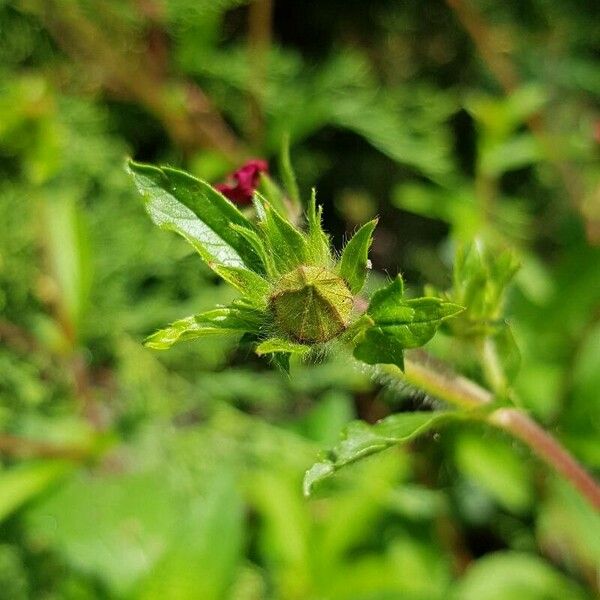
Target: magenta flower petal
240,186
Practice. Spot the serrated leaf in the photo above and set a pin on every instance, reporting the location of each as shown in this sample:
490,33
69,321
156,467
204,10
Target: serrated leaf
414,322
397,324
376,347
353,265
360,439
248,283
393,293
220,321
278,345
191,207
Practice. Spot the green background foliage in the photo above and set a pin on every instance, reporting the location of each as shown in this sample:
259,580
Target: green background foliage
469,128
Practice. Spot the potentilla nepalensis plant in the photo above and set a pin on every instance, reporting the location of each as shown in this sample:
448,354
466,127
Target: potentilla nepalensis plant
298,297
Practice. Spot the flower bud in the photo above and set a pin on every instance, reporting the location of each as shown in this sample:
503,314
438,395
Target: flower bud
311,304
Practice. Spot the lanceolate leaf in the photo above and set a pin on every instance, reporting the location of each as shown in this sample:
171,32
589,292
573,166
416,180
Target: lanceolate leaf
353,266
194,209
287,172
318,240
249,284
233,319
257,244
360,439
288,244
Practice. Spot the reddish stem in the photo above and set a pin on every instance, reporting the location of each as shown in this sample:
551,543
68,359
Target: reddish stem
548,449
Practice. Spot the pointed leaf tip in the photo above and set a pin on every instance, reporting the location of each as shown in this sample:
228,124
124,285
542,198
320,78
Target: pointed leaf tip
399,324
355,257
360,439
318,472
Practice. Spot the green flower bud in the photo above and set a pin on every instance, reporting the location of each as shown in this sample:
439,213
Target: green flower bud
311,304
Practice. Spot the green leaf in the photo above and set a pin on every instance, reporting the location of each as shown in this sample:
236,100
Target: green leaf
353,265
248,283
25,481
272,192
233,319
257,244
214,539
515,153
179,202
287,172
397,324
355,257
288,246
318,240
376,347
277,345
491,463
414,322
103,545
508,574
360,439
68,251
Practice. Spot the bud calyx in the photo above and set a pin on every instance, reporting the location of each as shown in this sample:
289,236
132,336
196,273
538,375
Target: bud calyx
311,304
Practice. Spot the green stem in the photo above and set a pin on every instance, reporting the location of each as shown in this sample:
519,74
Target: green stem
435,379
420,371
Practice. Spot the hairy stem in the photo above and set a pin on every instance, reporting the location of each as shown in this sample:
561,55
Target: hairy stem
437,380
428,375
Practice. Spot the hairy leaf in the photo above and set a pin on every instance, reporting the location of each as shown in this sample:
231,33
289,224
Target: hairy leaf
257,244
318,240
397,324
376,347
193,208
353,266
234,319
248,283
360,439
277,345
288,245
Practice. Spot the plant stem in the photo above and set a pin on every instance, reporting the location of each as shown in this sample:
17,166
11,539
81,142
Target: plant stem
436,379
518,424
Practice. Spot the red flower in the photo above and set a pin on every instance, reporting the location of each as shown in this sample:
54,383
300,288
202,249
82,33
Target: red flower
240,186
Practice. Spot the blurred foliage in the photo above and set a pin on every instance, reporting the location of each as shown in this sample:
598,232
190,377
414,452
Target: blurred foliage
129,474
